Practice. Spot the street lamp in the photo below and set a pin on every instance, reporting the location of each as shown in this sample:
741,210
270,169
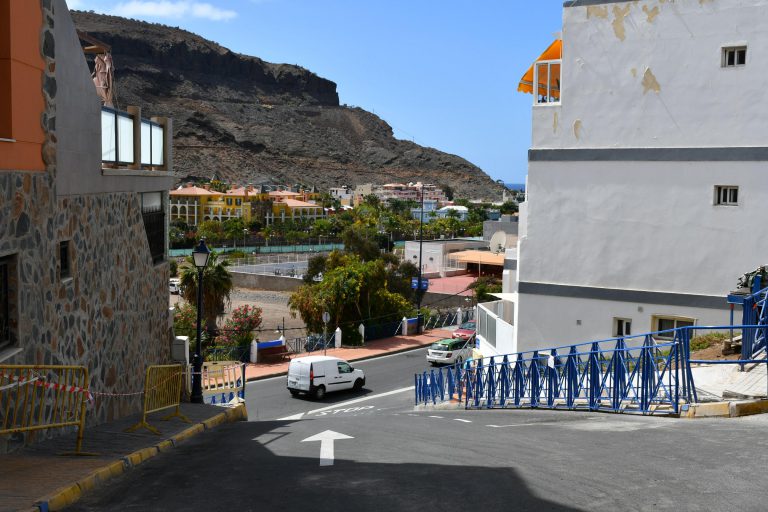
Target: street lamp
200,256
419,292
245,233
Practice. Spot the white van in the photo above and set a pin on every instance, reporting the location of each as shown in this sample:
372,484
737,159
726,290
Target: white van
318,375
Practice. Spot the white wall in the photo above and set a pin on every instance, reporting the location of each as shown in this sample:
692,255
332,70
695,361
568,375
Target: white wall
612,63
643,225
552,321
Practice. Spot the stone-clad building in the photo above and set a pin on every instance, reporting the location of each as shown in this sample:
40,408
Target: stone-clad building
83,226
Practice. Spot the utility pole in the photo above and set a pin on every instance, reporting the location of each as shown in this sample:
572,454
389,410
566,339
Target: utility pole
419,292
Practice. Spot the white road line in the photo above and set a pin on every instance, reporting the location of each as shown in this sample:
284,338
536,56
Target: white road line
438,417
524,424
461,420
349,402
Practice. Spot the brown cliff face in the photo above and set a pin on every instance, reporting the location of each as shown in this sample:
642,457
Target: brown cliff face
252,121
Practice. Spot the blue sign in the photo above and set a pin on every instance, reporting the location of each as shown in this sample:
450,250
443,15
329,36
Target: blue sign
415,283
424,284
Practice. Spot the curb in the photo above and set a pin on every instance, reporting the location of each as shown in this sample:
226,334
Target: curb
65,496
281,373
725,409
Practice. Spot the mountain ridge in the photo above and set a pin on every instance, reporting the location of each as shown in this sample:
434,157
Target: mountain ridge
252,121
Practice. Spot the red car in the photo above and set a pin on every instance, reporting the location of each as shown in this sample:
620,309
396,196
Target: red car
465,330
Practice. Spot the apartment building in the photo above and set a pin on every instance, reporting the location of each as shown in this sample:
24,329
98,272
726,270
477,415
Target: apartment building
646,178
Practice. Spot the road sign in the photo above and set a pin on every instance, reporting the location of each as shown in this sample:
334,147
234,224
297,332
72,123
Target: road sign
326,317
326,445
415,283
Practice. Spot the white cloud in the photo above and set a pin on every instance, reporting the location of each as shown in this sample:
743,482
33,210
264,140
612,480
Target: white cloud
172,9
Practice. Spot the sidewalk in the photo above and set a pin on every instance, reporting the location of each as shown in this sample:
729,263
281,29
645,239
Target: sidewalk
38,478
371,349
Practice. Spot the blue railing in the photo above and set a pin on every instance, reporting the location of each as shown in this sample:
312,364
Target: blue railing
755,312
646,373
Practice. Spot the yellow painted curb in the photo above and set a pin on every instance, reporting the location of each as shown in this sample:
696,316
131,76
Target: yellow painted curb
708,410
748,408
66,496
186,434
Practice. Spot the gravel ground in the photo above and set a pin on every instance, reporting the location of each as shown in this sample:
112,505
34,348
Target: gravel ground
274,306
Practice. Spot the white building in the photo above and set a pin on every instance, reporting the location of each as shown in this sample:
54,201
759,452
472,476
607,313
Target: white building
647,172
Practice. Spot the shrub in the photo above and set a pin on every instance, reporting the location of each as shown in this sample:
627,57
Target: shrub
237,329
707,340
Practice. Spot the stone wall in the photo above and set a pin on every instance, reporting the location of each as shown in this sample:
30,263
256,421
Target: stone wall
111,314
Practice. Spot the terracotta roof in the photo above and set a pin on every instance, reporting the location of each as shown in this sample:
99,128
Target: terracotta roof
295,203
193,191
283,193
242,191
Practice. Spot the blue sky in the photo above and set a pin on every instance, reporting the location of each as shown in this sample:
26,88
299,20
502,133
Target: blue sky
442,73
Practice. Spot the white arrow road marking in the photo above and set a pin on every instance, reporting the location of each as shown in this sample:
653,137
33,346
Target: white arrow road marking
438,417
326,445
461,420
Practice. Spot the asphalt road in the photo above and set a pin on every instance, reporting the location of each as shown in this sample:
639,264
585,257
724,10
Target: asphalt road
388,457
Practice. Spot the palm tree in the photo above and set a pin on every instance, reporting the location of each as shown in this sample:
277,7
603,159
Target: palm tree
217,285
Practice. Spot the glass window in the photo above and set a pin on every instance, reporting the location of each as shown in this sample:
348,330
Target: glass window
108,136
125,139
146,143
157,145
734,56
344,368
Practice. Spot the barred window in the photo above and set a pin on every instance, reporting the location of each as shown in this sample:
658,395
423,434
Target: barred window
7,294
153,213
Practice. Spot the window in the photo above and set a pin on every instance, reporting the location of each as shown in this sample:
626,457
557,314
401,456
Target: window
7,303
229,201
622,327
546,74
344,368
734,56
65,267
238,202
153,213
726,195
667,323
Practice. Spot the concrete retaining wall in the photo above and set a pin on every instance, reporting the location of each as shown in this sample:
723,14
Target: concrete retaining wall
266,282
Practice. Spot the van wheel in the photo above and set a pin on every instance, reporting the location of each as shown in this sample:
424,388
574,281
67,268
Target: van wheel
320,393
294,392
358,384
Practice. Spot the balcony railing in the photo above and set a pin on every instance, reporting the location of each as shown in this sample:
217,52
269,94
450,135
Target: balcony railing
121,137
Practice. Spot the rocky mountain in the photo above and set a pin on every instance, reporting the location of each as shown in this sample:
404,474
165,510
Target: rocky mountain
252,121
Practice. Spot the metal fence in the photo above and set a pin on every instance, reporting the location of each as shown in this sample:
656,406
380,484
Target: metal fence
441,320
645,374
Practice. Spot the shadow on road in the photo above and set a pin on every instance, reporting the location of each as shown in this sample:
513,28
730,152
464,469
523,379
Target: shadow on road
232,469
336,397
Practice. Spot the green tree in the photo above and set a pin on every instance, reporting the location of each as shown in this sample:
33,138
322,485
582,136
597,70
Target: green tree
352,291
484,286
233,228
361,240
217,286
211,230
509,207
315,266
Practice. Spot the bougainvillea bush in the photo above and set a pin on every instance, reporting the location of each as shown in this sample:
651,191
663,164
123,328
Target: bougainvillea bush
238,329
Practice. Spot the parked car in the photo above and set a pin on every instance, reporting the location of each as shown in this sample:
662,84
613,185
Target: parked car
175,285
318,375
465,330
449,351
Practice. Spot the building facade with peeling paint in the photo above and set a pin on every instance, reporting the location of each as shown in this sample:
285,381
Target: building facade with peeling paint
648,171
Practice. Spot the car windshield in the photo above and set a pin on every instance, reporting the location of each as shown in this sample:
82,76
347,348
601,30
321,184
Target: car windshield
440,346
470,326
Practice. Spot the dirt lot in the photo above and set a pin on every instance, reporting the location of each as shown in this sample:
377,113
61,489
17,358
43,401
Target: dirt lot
274,307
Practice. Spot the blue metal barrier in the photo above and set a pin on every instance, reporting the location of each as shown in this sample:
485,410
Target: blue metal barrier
647,374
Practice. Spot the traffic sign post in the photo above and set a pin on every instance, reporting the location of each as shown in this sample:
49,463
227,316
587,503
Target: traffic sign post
326,319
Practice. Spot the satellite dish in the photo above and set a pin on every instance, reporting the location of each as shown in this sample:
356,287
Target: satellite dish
498,242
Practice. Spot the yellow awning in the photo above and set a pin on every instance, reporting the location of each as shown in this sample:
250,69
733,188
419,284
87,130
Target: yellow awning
481,257
554,52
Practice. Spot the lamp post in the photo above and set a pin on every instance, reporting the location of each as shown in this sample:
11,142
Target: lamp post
200,256
245,233
419,292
